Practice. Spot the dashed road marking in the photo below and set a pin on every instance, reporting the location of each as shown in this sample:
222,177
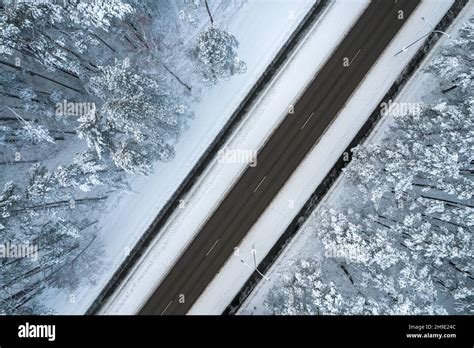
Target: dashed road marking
164,310
354,57
260,184
212,247
307,120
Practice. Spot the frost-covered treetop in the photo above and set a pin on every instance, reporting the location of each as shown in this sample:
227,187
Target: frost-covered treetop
216,53
48,30
98,13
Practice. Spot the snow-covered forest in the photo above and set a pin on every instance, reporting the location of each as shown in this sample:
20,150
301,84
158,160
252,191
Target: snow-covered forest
399,238
93,93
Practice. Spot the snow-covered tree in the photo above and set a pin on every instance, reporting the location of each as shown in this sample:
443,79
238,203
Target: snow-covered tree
86,173
46,215
8,200
453,63
31,132
305,292
57,34
216,55
215,50
380,276
189,12
137,121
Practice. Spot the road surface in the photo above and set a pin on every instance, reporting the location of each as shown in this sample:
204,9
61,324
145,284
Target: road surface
280,156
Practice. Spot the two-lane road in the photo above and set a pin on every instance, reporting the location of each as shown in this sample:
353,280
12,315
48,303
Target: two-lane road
280,156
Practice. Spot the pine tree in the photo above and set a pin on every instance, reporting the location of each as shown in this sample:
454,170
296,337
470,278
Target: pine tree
216,55
56,35
137,120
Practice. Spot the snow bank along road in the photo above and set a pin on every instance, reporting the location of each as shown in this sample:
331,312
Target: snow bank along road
280,156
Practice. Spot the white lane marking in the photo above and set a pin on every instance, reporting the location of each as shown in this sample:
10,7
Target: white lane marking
259,184
164,310
307,120
354,57
212,247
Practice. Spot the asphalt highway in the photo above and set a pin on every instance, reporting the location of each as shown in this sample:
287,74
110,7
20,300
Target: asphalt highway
279,157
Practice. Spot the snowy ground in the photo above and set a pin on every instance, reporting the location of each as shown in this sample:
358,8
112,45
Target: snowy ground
420,88
269,24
